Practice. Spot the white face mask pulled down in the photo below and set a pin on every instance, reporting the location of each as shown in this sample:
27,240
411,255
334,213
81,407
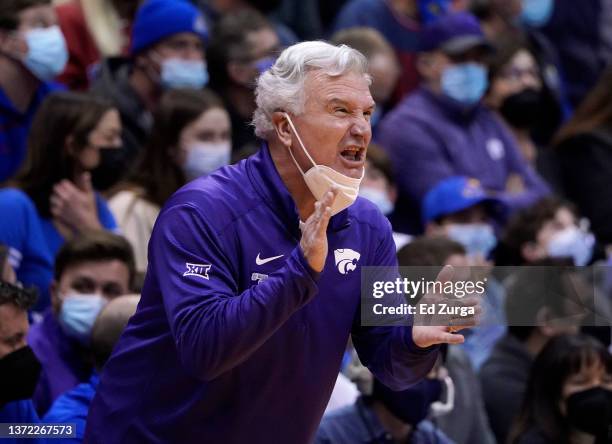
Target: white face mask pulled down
320,179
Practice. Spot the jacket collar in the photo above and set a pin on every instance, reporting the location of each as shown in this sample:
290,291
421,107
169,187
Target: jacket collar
270,186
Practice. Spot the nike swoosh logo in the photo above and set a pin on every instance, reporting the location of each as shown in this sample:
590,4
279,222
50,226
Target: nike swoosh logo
260,261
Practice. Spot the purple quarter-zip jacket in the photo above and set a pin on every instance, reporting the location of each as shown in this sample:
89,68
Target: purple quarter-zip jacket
235,338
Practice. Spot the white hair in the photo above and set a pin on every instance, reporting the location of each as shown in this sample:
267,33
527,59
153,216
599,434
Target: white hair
282,86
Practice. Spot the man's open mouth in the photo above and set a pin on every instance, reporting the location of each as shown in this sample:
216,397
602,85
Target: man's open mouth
353,153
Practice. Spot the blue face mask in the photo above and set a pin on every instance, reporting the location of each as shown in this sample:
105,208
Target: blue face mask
465,83
78,314
477,239
205,157
47,53
264,64
537,13
378,198
180,73
432,10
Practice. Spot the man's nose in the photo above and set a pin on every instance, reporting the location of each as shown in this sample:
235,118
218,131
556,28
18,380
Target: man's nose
361,126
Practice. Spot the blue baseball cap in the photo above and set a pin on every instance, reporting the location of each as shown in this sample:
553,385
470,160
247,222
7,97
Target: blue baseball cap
158,19
453,34
456,194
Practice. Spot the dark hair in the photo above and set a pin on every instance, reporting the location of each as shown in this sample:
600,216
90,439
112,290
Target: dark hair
95,246
10,10
506,47
428,251
228,42
157,173
61,116
547,284
21,297
594,112
367,41
524,226
561,358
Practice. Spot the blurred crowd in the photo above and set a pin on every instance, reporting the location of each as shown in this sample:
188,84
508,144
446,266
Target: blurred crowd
492,147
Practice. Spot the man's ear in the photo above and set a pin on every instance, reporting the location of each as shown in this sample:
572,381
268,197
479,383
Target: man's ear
282,128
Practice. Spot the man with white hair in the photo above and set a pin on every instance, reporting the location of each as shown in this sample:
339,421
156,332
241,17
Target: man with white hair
253,284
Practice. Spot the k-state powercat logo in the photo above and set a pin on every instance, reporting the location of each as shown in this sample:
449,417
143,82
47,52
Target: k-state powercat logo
346,260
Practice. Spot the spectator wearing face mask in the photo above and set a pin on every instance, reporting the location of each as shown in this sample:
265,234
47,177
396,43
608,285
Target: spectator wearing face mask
32,52
94,29
167,51
400,22
569,394
243,45
522,98
541,302
583,154
90,270
19,368
191,137
51,198
72,406
383,65
443,130
378,186
386,416
519,22
459,208
549,229
466,422
462,210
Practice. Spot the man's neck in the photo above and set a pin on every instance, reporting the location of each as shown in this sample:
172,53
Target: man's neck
17,83
399,430
148,92
242,100
536,342
304,200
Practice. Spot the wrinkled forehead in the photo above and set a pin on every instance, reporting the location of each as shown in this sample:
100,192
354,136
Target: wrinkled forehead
352,88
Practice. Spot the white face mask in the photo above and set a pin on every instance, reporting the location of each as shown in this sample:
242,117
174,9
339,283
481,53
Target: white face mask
205,157
320,178
572,242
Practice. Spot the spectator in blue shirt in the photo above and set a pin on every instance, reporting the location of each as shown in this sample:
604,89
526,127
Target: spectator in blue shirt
32,53
67,135
19,368
72,406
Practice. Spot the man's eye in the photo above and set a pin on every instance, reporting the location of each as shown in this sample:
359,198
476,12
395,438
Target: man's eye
341,110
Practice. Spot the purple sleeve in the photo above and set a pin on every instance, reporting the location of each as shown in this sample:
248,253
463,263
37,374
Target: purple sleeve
417,154
389,352
214,327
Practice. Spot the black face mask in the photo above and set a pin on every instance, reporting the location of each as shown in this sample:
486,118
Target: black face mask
19,373
112,168
522,110
411,405
591,411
